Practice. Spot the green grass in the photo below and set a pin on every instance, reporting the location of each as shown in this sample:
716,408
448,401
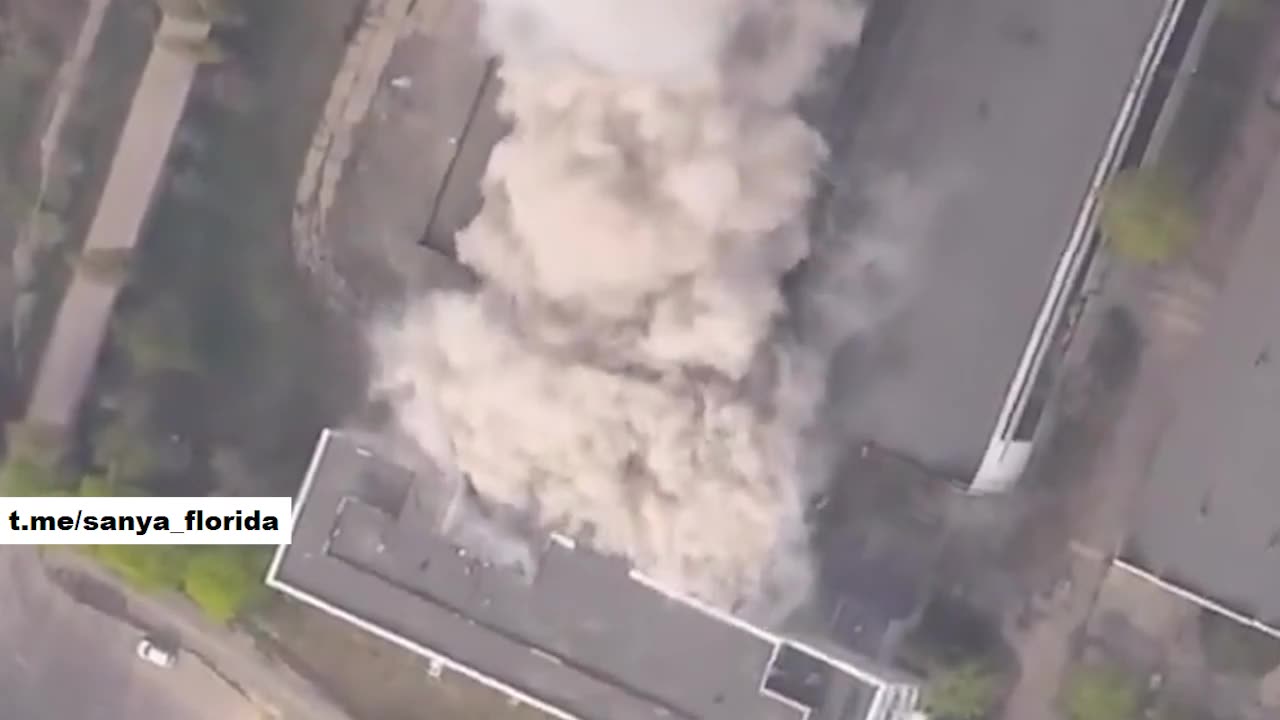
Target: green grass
1101,692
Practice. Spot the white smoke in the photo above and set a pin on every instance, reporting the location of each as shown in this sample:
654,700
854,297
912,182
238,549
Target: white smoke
623,372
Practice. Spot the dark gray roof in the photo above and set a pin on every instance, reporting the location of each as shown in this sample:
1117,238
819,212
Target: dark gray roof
996,114
418,556
1209,516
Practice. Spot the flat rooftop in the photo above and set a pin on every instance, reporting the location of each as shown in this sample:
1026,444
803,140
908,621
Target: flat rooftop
417,558
996,116
1209,516
996,113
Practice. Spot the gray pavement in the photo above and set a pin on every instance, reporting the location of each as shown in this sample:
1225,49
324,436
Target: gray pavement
1208,517
996,112
65,661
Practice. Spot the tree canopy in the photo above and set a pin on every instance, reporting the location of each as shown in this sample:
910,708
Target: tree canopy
147,567
157,337
23,477
1101,693
33,464
965,692
223,581
1147,216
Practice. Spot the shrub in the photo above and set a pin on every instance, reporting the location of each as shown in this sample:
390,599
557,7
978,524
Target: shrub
35,441
1101,692
224,581
1146,216
157,337
21,477
147,567
965,692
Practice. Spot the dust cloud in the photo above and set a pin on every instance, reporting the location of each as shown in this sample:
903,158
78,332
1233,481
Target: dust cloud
627,372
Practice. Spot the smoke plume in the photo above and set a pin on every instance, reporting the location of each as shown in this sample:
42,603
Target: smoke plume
625,371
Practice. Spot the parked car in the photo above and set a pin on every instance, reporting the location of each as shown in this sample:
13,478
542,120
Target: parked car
149,651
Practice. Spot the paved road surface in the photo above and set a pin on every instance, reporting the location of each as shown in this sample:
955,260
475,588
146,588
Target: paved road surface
65,661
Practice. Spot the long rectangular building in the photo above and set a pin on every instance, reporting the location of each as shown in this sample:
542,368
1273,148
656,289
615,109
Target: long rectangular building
415,558
999,122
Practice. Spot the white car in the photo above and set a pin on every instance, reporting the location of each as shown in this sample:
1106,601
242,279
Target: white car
149,651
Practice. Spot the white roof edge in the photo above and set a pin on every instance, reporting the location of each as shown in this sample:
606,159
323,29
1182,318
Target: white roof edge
1201,600
1003,461
273,581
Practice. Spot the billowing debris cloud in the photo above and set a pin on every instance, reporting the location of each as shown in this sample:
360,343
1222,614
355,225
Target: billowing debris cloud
623,373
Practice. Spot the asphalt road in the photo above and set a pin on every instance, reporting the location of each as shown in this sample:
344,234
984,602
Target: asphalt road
65,661
992,114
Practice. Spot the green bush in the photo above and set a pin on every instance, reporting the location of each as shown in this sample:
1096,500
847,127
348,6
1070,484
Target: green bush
124,452
967,691
22,477
38,443
1147,216
146,567
157,337
224,581
1101,692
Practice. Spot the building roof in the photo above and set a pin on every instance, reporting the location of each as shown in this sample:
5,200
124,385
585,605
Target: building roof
416,556
995,116
1208,519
